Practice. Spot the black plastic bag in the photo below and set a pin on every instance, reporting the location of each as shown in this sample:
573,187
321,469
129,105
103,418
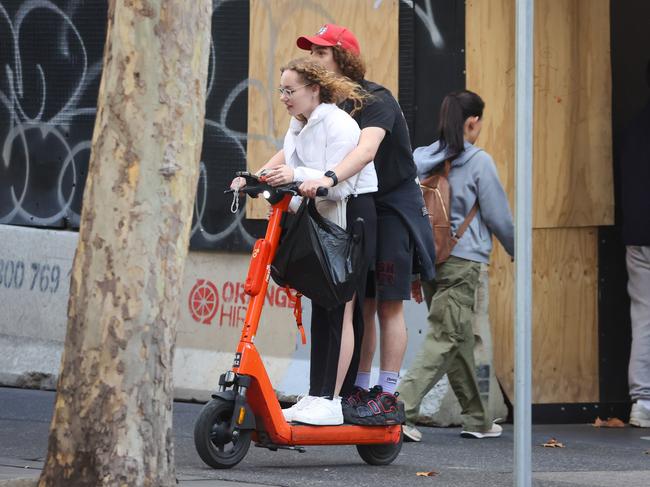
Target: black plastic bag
318,258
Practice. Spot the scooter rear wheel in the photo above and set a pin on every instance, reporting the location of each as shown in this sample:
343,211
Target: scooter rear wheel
380,454
215,444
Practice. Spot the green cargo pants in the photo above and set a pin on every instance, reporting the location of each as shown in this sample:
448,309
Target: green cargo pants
448,347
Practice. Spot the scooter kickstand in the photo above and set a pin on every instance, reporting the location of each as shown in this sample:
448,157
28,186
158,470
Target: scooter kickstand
274,447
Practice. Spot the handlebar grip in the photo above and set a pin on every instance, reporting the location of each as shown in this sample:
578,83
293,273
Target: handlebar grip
320,191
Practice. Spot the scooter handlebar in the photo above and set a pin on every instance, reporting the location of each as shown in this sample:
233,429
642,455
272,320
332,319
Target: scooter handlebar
258,187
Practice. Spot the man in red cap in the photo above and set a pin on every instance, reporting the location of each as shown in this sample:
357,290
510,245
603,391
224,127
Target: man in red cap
404,237
331,35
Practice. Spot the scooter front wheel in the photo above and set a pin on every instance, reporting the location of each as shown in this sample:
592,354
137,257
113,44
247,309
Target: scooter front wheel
380,454
216,444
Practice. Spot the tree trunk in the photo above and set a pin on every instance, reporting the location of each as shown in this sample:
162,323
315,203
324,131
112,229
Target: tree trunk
113,412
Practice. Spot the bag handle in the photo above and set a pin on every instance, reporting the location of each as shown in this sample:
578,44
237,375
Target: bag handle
319,219
313,211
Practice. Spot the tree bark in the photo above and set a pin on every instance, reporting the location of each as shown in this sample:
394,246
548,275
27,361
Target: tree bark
113,411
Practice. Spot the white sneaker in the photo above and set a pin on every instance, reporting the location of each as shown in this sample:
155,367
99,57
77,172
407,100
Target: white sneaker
640,416
411,433
493,432
289,413
321,412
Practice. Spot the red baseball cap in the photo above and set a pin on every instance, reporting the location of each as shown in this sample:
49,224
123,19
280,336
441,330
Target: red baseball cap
331,35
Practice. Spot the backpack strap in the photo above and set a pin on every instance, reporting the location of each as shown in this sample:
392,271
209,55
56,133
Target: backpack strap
468,219
447,168
472,212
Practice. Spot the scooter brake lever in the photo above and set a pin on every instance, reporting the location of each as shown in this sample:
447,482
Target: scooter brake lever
250,178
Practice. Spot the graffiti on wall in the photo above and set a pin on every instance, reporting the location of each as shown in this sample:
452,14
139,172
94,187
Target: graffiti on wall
425,14
49,77
225,136
50,68
439,62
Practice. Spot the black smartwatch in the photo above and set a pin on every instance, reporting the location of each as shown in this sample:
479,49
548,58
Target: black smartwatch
332,175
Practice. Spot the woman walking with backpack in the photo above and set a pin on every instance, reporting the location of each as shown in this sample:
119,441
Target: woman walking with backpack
478,208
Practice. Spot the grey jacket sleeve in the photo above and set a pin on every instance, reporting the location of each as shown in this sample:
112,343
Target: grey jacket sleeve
493,204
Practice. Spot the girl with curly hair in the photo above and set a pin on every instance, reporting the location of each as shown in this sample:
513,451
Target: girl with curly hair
319,136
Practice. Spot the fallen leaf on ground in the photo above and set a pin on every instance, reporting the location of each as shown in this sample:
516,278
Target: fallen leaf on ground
609,423
553,443
432,473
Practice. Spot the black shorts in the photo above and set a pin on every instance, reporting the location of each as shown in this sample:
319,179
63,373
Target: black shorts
391,279
363,206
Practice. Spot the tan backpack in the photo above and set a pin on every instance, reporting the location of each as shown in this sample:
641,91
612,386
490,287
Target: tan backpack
437,198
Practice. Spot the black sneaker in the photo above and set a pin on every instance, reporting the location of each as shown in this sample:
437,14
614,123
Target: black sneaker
356,397
376,408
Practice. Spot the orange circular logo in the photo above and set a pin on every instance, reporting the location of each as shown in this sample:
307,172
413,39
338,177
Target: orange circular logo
203,301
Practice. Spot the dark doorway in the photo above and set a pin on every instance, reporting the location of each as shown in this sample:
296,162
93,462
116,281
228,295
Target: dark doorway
630,52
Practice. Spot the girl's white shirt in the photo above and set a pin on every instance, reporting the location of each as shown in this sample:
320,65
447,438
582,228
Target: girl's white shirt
317,146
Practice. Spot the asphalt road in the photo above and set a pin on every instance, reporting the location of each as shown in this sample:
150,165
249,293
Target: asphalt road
592,457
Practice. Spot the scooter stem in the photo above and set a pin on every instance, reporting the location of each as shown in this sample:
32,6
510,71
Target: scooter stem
272,237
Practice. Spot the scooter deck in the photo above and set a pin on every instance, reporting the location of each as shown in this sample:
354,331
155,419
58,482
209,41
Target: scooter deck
345,434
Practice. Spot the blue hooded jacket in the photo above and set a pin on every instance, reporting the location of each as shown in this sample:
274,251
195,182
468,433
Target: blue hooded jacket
473,176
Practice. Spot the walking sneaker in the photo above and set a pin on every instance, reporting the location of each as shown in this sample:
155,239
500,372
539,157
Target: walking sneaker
289,413
376,408
493,432
411,433
640,416
320,412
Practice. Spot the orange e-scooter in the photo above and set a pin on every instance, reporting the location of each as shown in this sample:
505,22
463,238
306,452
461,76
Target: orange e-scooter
246,408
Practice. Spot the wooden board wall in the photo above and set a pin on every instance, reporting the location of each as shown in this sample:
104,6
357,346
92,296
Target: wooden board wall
274,27
493,78
573,173
572,182
565,325
573,177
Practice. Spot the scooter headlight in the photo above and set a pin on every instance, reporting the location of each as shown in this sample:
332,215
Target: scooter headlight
266,194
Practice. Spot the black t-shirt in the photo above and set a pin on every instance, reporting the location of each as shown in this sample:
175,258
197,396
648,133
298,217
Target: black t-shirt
394,159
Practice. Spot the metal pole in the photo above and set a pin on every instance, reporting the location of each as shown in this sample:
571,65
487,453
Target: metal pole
523,238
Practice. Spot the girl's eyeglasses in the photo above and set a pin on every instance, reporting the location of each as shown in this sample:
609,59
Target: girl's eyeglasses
288,92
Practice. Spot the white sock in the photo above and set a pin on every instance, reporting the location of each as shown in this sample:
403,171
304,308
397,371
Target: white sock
362,380
644,403
388,380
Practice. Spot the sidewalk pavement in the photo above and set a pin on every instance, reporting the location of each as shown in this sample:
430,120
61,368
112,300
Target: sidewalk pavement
592,457
25,473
